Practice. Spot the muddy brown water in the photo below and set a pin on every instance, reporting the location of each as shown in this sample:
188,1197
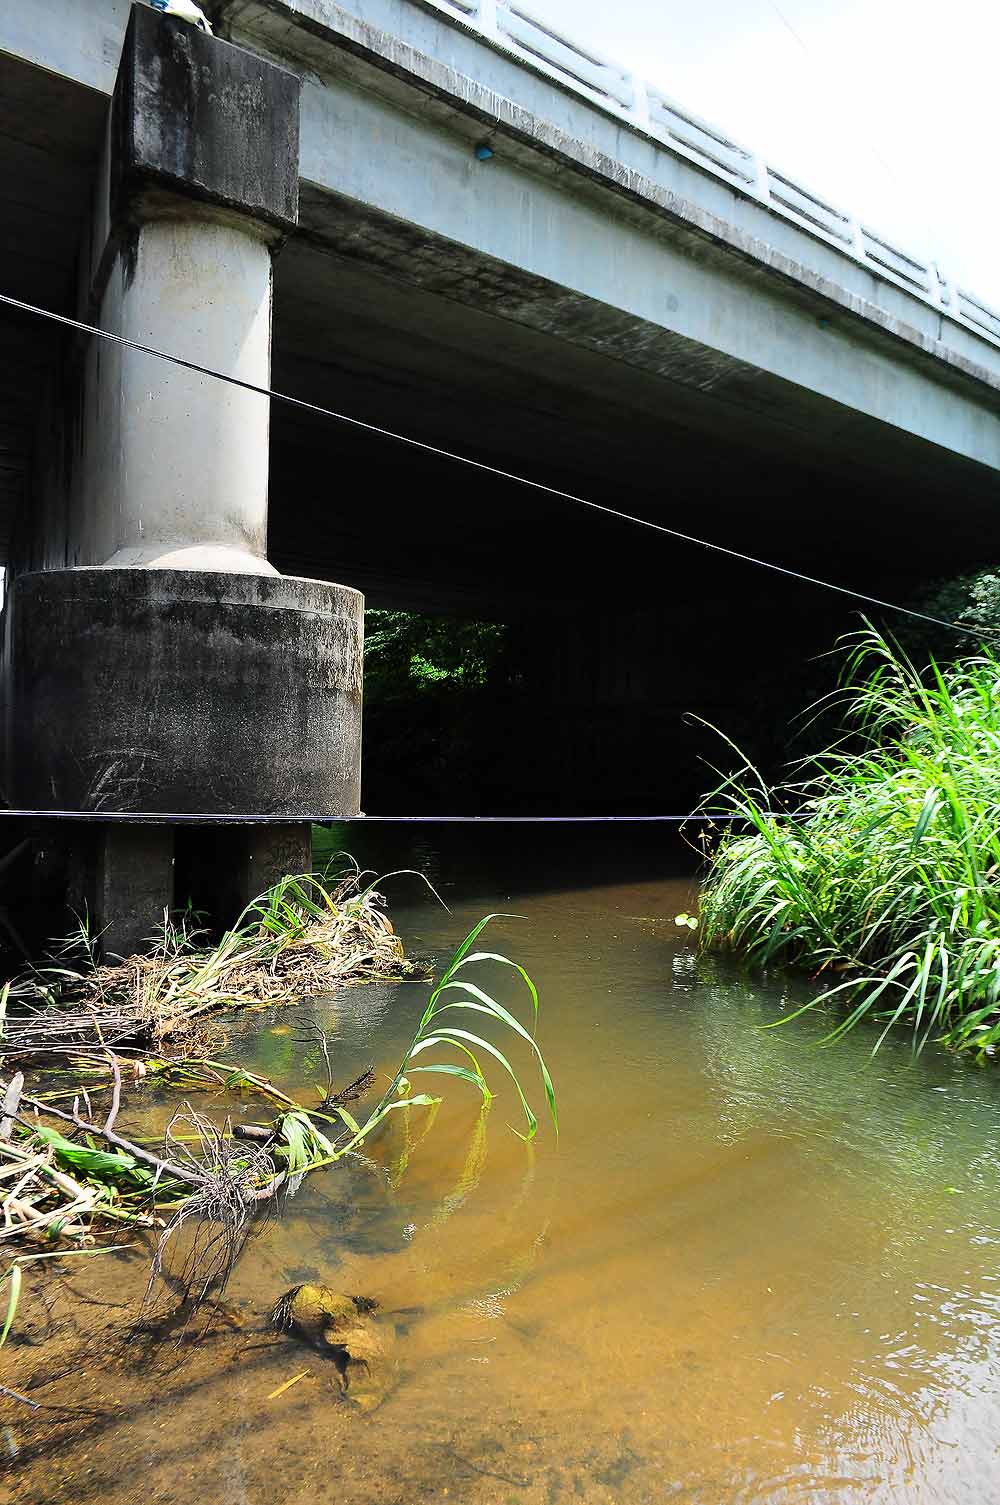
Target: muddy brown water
750,1271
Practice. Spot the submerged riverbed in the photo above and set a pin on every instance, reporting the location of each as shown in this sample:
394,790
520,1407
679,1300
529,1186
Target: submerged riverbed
749,1270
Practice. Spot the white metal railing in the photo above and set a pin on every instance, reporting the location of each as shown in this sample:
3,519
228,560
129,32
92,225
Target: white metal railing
640,104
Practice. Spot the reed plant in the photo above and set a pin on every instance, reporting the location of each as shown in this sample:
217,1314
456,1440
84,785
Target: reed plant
305,935
880,862
66,1182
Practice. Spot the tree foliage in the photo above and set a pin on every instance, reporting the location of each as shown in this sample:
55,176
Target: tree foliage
407,654
971,601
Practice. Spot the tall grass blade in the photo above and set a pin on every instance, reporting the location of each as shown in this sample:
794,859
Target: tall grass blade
13,1297
887,866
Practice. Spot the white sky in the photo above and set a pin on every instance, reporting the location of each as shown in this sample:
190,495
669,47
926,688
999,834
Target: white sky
890,108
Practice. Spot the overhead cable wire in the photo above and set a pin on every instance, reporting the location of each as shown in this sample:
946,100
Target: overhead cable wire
485,468
214,818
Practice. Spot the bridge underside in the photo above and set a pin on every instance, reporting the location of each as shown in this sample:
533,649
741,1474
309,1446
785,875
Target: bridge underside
619,632
817,489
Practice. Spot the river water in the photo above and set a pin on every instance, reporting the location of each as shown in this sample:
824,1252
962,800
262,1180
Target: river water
750,1269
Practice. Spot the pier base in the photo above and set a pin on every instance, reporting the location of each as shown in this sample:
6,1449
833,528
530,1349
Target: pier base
123,880
131,886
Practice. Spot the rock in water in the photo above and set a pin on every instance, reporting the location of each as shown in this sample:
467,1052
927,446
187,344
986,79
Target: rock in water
309,1310
345,1327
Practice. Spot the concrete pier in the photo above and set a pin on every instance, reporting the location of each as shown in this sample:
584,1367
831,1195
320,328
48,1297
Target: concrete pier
157,662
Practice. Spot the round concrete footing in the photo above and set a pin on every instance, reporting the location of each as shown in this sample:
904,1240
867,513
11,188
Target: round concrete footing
184,692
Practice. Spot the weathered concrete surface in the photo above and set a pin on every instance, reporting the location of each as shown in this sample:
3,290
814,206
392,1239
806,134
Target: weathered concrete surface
174,466
582,227
128,884
219,870
264,854
586,308
178,695
613,262
173,671
197,119
176,691
199,185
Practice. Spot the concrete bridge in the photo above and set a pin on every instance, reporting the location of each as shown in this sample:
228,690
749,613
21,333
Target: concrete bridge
462,227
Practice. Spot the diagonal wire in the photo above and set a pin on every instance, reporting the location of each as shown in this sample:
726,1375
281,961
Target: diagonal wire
493,470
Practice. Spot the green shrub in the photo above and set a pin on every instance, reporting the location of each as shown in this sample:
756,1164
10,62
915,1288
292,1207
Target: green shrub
972,602
886,866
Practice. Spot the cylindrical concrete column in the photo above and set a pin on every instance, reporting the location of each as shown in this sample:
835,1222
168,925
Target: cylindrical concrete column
185,692
185,485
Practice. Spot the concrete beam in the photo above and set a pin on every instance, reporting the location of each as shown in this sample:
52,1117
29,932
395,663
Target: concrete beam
581,225
584,228
194,119
613,267
412,55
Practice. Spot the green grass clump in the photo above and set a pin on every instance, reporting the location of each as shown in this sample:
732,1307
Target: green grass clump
887,867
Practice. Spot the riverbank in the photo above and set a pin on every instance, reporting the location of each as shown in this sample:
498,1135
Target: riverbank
878,869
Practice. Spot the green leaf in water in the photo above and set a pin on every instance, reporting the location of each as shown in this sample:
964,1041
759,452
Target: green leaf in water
102,1165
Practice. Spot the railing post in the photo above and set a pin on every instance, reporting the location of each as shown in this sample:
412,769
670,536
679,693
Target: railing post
487,18
640,101
858,240
759,186
940,289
